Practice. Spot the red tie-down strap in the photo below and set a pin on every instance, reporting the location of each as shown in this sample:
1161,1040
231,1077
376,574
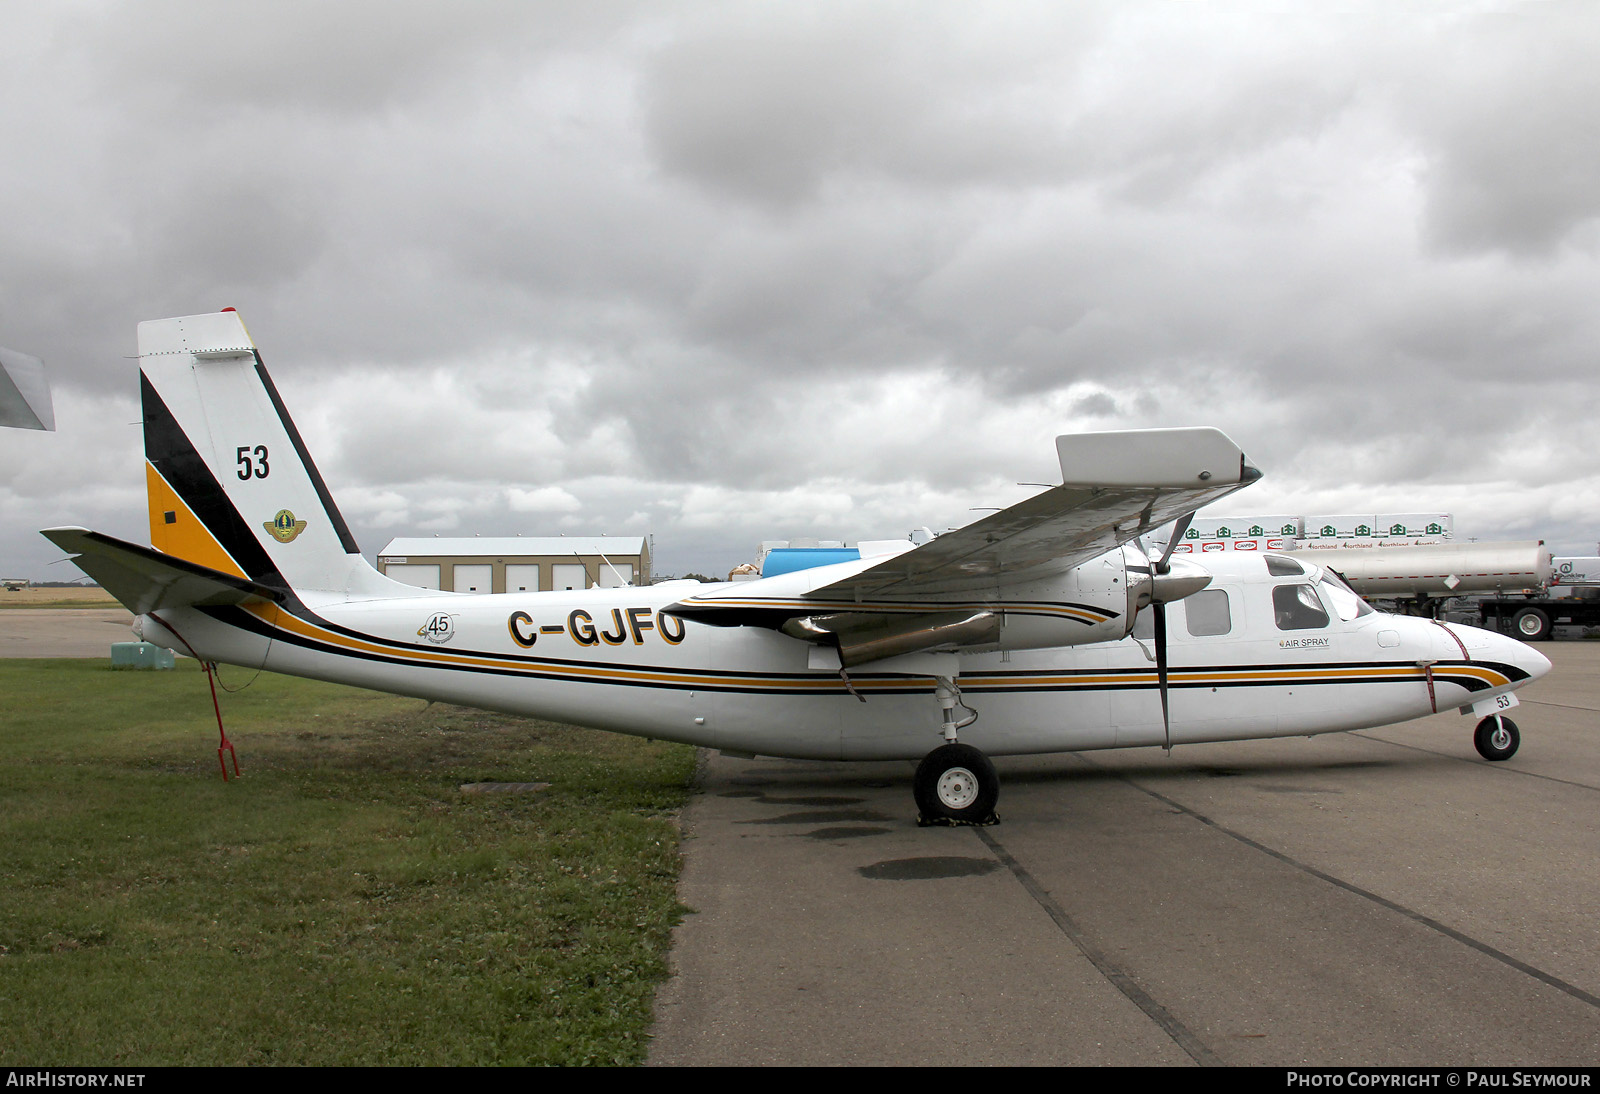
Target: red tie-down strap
1427,666
224,745
1465,656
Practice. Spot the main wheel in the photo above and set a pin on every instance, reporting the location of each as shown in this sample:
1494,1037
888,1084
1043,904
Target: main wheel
1496,738
956,783
1531,625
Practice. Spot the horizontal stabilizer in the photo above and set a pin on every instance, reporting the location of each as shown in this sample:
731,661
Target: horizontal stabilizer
145,580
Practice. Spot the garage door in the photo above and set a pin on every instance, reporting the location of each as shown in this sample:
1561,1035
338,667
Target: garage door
423,577
616,574
569,575
522,578
475,578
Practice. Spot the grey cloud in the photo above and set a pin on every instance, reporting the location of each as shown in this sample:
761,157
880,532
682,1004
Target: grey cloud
304,55
1509,118
861,260
768,104
1097,405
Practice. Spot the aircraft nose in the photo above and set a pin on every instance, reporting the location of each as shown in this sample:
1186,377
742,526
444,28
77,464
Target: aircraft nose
1487,645
1523,656
1530,660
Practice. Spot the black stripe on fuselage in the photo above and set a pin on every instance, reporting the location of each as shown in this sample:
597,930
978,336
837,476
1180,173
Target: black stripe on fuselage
1247,676
751,682
773,617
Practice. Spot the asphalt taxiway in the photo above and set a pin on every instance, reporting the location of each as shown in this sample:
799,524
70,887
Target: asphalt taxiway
63,632
1377,897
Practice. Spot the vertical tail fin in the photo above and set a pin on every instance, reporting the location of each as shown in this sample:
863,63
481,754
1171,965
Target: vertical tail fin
231,485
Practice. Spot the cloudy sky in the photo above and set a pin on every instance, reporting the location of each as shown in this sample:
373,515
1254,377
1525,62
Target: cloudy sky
725,272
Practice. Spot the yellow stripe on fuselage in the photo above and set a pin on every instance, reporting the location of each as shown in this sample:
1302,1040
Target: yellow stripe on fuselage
1222,677
890,607
275,616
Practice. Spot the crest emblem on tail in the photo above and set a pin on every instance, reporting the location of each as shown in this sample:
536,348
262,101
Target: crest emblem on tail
284,527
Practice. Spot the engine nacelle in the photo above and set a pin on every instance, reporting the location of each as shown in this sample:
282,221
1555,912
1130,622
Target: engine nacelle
1094,602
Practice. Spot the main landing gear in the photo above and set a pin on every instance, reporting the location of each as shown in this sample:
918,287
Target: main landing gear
955,783
1496,738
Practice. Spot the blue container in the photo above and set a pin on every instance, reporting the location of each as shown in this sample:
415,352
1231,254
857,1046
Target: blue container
786,560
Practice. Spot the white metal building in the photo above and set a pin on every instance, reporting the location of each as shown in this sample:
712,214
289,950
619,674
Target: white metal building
509,564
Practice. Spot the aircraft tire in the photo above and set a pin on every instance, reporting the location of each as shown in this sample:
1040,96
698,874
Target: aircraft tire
956,784
1496,738
1531,625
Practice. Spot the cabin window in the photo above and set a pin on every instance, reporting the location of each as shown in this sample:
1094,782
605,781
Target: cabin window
1283,566
1144,626
1207,612
1296,608
1346,604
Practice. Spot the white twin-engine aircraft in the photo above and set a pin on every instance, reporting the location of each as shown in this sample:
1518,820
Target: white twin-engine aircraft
1048,619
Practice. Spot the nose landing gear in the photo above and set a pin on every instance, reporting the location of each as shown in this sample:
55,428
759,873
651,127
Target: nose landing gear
1496,738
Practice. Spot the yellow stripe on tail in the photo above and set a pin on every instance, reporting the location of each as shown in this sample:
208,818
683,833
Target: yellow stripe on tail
176,531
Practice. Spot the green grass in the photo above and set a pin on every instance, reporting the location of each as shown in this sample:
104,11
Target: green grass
342,903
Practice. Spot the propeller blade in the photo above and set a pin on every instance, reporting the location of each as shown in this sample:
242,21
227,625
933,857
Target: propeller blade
1187,581
1160,620
1178,530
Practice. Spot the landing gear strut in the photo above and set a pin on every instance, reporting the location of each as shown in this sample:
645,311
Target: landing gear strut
1496,738
955,783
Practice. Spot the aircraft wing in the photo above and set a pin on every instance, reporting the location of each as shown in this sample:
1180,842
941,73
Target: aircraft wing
1117,487
144,579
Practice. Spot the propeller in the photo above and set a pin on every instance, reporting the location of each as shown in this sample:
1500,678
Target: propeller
1168,584
1160,621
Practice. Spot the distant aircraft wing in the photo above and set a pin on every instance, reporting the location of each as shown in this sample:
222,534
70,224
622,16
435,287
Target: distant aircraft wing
144,579
1117,486
24,392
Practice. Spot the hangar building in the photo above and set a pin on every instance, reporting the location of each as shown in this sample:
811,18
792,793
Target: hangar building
509,564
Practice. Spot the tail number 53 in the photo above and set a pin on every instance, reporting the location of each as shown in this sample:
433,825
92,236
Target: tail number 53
252,461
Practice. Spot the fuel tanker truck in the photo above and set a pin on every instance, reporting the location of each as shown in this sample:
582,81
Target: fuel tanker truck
1434,570
1516,587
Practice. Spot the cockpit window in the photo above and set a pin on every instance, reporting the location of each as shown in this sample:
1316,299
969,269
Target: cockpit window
1283,566
1207,612
1144,626
1344,599
1296,608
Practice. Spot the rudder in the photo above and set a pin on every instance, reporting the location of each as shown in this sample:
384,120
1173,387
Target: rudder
230,483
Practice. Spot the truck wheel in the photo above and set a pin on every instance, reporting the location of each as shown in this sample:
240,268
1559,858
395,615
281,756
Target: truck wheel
1496,738
1531,625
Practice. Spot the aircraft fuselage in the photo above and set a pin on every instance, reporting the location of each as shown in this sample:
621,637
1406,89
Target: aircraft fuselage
611,658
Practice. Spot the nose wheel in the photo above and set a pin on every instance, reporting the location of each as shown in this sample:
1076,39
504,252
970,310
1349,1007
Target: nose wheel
1496,738
956,784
